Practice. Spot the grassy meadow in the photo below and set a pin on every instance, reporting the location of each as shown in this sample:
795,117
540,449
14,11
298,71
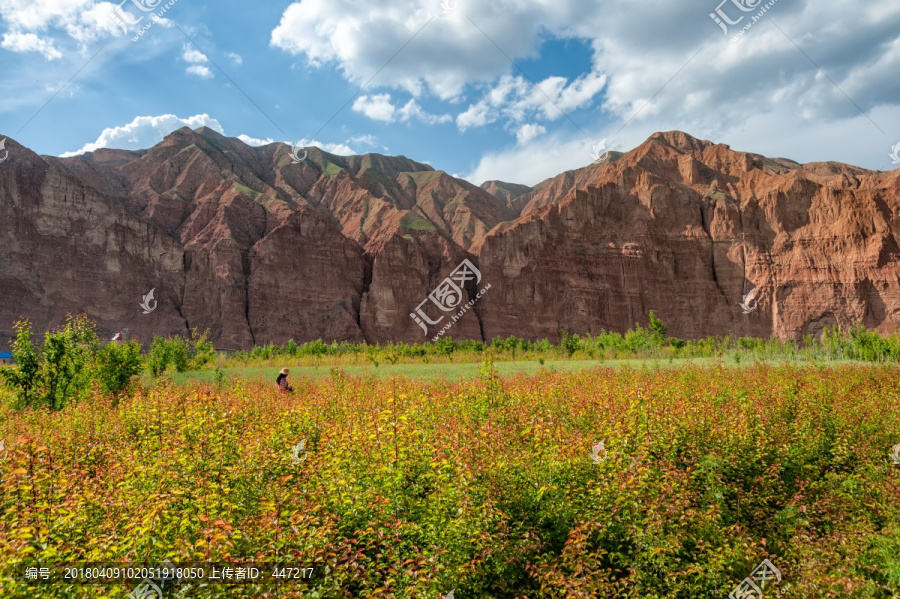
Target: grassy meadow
483,479
440,369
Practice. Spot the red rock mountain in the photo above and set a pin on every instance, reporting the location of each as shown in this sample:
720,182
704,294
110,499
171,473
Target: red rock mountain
241,241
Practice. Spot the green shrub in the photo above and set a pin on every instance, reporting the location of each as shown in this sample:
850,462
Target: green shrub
637,340
116,366
315,348
202,352
657,330
445,346
24,378
570,343
165,352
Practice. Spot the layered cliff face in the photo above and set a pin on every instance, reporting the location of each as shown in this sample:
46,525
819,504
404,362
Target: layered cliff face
234,239
686,228
67,248
241,241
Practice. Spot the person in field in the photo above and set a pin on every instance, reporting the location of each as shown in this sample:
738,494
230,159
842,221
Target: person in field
282,381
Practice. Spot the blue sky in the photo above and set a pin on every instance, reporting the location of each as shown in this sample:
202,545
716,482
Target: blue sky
518,91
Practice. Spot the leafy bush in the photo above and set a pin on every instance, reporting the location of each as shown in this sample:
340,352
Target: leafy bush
24,378
637,340
202,350
638,343
168,351
657,330
570,342
676,342
445,346
316,348
116,366
65,360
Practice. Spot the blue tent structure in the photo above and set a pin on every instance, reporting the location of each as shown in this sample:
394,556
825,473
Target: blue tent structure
6,358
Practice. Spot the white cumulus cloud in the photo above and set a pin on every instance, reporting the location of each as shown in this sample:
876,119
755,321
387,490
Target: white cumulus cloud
198,61
446,54
145,132
192,55
29,42
201,71
339,149
40,25
528,132
477,115
532,162
256,142
380,108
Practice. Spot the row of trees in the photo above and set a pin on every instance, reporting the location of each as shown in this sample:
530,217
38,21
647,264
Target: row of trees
858,343
72,361
635,340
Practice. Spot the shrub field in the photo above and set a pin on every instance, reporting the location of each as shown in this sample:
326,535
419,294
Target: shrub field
497,487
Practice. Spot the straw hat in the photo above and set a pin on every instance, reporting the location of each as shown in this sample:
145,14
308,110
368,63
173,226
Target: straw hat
285,371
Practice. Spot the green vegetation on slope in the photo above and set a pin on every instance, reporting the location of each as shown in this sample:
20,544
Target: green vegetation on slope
413,221
247,191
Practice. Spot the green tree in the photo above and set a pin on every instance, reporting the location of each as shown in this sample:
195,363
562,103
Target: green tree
445,346
165,352
158,359
24,378
570,342
657,330
117,365
637,339
67,354
202,351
